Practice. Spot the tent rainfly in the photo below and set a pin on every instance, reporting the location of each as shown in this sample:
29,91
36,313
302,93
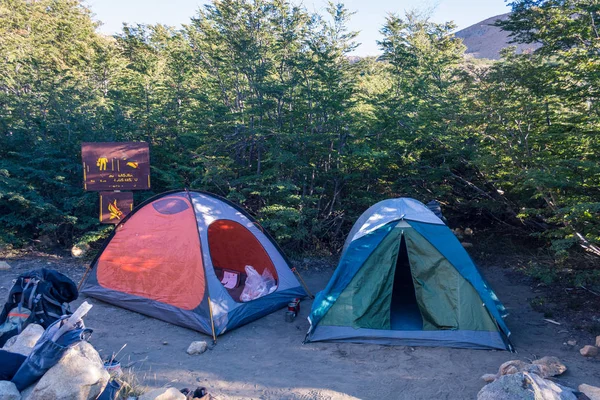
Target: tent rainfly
405,279
181,257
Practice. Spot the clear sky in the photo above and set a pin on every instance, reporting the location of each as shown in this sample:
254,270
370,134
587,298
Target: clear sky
370,14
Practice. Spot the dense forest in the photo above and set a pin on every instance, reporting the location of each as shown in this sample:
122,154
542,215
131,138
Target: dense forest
258,101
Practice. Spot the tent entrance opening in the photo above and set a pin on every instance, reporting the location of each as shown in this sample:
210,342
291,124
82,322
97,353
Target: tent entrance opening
405,314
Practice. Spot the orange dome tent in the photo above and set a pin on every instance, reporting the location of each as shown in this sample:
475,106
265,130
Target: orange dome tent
181,257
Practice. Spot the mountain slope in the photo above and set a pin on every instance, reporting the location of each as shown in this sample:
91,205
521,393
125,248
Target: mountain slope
484,40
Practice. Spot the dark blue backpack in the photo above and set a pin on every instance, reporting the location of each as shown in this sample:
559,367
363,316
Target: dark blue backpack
39,297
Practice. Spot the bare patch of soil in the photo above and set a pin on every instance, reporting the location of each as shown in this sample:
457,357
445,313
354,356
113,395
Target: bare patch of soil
267,360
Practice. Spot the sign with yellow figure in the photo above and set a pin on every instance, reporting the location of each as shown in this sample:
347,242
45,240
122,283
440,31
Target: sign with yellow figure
114,206
115,166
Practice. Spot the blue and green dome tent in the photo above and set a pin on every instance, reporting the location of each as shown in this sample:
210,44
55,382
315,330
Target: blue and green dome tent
405,279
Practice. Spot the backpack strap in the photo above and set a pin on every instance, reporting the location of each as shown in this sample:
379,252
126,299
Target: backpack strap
32,297
32,300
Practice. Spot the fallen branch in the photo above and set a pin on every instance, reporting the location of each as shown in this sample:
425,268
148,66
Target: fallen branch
552,321
589,290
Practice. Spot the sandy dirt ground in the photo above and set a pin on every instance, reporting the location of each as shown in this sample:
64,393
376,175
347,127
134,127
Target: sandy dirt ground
267,360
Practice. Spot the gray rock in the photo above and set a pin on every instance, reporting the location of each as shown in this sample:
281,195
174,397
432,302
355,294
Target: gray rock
597,341
197,347
489,377
592,392
8,391
27,392
4,266
23,343
79,375
524,386
163,394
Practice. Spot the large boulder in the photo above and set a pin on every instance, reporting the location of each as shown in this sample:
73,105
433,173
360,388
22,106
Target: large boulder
8,391
524,386
163,394
23,343
592,392
79,375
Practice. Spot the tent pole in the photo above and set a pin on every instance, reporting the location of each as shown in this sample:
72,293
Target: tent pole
303,283
212,323
85,275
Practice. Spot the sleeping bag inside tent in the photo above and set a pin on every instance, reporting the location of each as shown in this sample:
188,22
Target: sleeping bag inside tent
183,257
405,279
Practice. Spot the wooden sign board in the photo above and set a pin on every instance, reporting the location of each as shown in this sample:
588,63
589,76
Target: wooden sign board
114,206
116,166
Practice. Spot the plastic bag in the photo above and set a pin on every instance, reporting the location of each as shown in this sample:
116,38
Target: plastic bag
257,285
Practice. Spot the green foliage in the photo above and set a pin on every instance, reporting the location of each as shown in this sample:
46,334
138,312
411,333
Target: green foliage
257,101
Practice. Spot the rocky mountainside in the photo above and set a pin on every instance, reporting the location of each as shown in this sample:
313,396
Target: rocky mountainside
484,40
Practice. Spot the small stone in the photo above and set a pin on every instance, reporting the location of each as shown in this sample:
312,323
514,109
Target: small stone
163,394
592,392
489,378
80,250
4,266
597,341
466,245
468,231
165,343
589,351
572,342
197,347
8,391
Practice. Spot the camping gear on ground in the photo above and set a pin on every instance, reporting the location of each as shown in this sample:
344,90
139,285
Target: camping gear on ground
181,257
197,393
292,310
404,278
290,316
111,391
10,364
38,296
49,349
113,367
